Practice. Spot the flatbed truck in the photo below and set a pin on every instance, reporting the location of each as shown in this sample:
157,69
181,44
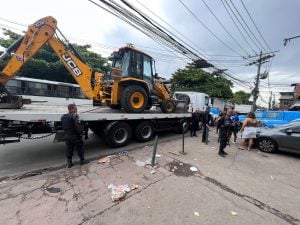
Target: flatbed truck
116,127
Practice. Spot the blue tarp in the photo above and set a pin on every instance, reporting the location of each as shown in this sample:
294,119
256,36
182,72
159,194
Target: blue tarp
274,118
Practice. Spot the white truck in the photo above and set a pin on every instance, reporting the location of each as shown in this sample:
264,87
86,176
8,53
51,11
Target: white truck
198,100
115,126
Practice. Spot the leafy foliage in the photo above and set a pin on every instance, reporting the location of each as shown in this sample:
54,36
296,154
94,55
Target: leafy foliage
46,65
191,78
241,97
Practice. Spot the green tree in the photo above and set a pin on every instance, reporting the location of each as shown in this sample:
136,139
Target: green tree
46,64
241,97
192,78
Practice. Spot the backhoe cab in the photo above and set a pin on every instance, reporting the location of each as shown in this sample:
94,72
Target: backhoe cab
132,86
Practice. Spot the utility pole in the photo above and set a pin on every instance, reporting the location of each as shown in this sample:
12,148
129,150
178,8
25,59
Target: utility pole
263,58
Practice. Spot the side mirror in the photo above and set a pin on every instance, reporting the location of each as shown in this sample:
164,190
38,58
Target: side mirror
289,131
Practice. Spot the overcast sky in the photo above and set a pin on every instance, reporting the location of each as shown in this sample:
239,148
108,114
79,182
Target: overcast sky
83,22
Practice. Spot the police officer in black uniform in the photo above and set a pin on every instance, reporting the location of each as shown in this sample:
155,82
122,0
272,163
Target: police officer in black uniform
73,134
225,131
195,123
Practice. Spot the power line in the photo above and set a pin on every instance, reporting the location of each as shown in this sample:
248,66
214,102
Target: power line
222,25
237,25
255,25
208,29
261,46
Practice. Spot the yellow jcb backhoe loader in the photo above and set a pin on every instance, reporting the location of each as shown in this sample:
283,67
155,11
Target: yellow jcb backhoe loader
133,85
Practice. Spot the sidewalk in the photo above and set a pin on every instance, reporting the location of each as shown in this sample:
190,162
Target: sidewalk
238,189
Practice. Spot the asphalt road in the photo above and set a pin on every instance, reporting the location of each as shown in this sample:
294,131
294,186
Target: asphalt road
39,154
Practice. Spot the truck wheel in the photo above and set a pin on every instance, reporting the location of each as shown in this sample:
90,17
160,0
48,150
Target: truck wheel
168,106
184,97
134,99
144,131
117,134
184,126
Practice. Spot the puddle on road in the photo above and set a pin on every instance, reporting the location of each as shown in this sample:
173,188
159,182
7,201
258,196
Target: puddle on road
53,189
181,169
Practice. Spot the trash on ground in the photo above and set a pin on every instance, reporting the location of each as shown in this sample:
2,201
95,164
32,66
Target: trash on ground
135,186
140,163
272,178
146,146
213,147
181,164
233,213
123,153
175,153
195,159
173,170
196,213
149,161
175,167
194,169
104,160
118,192
158,156
153,172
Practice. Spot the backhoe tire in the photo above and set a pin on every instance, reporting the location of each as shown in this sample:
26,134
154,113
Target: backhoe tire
168,106
117,134
144,131
134,99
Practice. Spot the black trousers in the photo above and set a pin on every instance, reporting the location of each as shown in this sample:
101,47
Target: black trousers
194,129
205,129
223,140
71,144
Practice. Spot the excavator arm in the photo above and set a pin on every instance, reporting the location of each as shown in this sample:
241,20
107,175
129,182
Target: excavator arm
38,34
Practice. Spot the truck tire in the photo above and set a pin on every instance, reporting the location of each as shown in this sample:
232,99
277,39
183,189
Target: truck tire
184,97
134,99
168,106
184,126
144,131
117,134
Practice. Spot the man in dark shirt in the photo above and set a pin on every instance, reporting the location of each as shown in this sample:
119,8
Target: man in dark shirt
73,135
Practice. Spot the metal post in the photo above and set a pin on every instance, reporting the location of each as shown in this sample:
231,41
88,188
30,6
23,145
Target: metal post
182,142
154,150
206,134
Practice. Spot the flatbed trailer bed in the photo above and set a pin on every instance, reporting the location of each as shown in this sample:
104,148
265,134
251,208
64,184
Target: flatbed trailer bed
115,126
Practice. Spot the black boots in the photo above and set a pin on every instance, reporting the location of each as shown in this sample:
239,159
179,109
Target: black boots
83,161
222,153
70,164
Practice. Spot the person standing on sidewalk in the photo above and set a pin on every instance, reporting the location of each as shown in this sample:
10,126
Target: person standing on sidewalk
236,124
225,131
73,135
206,117
195,123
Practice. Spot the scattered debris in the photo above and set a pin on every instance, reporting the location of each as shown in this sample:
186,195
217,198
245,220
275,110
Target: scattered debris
118,192
194,169
195,159
173,170
196,213
272,178
213,147
175,167
123,153
146,146
140,163
181,164
148,207
233,213
104,160
153,172
175,153
135,186
157,156
53,189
